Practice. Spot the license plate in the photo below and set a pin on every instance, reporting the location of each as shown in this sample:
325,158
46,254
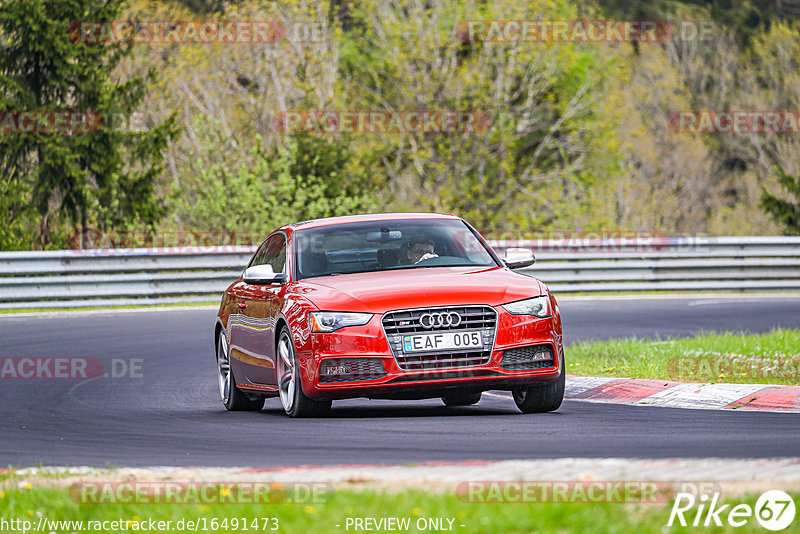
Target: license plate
442,341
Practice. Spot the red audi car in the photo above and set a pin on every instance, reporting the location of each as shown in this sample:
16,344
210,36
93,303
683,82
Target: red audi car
393,306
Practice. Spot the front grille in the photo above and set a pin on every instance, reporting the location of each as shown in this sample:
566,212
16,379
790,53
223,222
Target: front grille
472,318
351,370
525,358
481,319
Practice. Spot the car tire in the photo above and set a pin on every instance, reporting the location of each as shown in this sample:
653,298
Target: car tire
540,398
290,388
462,398
234,399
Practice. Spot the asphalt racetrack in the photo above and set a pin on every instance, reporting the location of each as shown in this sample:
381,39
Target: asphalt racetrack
172,414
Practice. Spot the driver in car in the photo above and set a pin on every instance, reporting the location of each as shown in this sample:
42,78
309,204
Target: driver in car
420,250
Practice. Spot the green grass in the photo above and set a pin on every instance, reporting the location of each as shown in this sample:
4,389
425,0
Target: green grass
322,517
729,357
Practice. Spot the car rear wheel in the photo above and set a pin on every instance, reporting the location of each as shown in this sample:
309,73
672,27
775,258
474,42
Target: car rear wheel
295,402
232,397
462,398
540,398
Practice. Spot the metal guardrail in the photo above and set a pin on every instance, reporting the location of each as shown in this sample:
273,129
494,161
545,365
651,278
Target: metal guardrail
79,278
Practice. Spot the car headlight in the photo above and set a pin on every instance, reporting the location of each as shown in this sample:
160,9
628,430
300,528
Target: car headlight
332,321
538,307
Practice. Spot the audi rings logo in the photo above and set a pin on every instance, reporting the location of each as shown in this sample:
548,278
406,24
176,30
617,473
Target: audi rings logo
440,320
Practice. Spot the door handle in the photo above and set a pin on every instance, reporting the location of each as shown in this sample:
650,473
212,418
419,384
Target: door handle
242,305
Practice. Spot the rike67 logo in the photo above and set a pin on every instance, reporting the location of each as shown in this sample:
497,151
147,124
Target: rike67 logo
774,510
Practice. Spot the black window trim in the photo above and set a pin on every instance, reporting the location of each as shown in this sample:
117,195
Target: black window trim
285,245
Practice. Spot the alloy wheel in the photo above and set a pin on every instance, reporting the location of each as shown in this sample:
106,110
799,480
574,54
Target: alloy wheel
223,369
287,373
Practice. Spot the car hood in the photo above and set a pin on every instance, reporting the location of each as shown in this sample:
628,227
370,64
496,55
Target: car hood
378,292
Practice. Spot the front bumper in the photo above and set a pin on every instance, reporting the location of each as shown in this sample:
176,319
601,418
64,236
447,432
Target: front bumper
378,374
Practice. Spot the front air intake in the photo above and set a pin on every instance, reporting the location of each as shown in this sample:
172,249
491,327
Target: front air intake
527,358
351,370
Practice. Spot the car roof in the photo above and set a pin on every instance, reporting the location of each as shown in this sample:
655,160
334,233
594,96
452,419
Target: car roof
328,221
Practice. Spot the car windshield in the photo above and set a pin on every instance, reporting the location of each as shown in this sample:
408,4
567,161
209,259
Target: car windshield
387,245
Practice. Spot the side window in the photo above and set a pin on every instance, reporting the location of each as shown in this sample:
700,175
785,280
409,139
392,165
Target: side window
272,252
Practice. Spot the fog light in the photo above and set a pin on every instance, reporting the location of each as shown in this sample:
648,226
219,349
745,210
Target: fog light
528,358
545,355
337,369
351,370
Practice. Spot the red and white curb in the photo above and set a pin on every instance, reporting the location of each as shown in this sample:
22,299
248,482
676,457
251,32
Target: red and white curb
705,396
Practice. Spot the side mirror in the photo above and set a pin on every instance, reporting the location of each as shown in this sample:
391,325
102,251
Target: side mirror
262,275
518,258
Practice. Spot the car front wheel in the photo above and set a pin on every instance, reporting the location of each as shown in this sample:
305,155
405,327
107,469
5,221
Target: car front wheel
295,402
540,398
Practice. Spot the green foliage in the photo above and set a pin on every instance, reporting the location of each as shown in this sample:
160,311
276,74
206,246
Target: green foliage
301,179
578,136
746,17
786,213
103,176
546,151
15,232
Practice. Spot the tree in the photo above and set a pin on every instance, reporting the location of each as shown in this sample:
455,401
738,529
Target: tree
97,171
304,178
231,162
786,213
545,156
